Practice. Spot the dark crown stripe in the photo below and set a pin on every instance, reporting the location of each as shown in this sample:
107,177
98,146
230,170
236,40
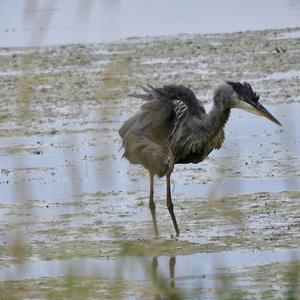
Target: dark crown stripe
244,90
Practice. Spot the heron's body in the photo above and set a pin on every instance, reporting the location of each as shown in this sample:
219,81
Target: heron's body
167,123
172,127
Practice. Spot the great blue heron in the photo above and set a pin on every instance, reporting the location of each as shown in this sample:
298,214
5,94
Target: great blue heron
172,127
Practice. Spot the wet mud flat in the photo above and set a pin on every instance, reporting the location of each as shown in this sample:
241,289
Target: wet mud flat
69,202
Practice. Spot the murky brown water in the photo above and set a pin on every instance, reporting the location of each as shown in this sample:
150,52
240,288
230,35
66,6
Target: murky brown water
67,195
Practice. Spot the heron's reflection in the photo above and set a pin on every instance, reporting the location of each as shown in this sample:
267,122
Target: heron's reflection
156,280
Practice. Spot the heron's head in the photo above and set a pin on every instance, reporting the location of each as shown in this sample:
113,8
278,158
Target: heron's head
245,98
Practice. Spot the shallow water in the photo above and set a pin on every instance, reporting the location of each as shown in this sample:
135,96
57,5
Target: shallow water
187,266
62,22
43,162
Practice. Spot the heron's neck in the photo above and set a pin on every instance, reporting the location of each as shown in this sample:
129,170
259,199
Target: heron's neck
218,116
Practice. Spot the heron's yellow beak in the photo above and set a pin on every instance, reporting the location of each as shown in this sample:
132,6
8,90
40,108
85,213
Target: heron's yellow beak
258,109
263,112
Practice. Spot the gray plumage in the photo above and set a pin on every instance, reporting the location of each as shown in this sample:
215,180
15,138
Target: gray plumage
172,118
172,127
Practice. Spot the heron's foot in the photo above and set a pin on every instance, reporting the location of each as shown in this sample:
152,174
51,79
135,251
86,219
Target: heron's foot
169,162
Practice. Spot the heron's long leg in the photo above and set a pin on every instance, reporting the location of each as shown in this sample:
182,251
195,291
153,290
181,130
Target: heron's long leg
172,263
152,204
170,204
